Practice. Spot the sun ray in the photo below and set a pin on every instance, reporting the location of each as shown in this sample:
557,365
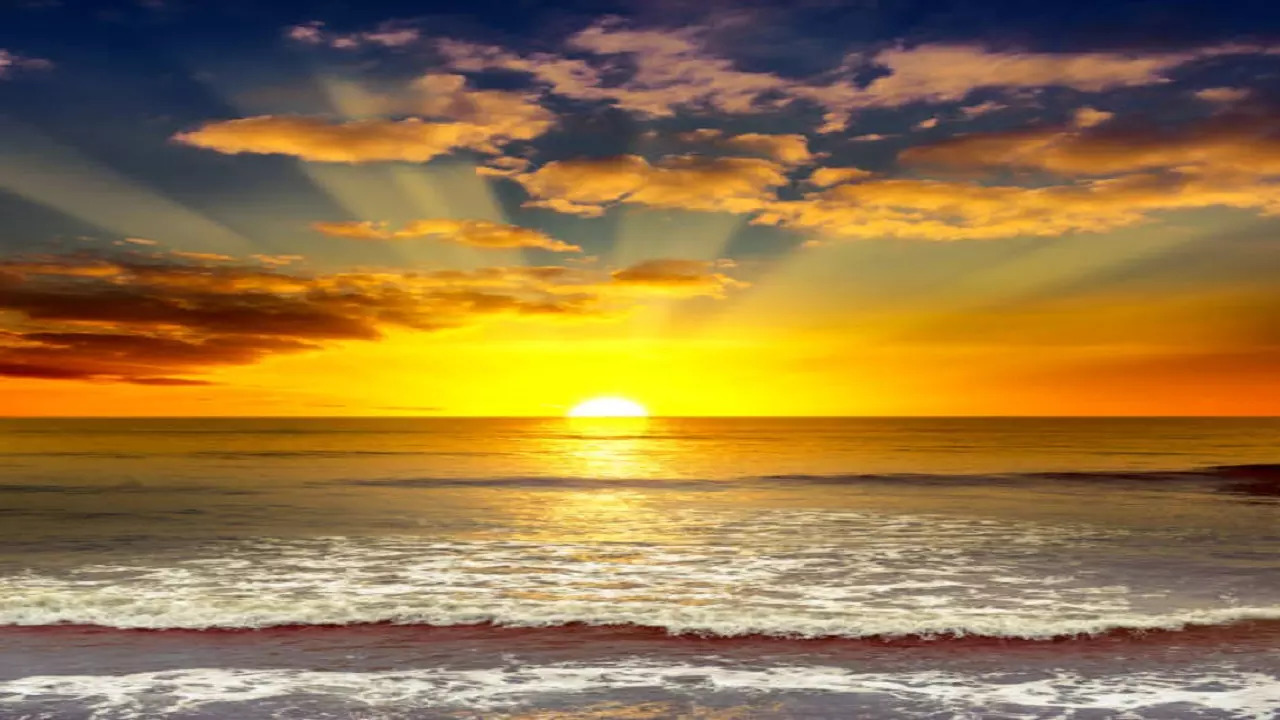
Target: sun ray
37,168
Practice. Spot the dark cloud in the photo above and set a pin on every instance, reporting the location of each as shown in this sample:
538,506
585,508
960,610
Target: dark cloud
152,320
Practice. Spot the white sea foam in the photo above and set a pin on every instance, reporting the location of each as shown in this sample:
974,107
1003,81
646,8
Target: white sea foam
725,621
1220,689
797,573
806,574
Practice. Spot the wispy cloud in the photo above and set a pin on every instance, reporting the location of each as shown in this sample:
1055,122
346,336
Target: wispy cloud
11,62
386,35
474,233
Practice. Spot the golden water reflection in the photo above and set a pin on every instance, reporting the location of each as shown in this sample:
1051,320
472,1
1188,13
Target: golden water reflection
611,448
592,449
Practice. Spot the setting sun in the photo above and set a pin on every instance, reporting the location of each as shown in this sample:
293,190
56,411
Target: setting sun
606,407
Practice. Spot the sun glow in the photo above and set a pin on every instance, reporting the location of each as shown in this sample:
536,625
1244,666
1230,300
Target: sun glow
607,407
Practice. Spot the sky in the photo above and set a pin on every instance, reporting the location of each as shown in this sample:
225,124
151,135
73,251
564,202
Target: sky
716,208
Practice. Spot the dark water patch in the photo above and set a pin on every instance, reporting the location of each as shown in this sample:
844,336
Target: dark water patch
120,489
91,454
1257,479
1261,480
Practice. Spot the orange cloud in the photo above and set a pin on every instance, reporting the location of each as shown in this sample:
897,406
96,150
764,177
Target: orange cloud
1233,143
276,260
940,72
678,277
475,120
1128,177
310,138
949,210
826,177
785,149
1223,95
504,166
500,113
475,233
202,256
586,186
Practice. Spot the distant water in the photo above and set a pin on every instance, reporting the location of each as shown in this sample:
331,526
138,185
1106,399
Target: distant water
699,568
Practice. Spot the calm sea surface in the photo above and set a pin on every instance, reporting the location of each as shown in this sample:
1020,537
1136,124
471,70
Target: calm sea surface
693,568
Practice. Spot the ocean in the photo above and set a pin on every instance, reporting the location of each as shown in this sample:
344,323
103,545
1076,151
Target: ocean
727,569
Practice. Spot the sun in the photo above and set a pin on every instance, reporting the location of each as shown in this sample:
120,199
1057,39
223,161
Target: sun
606,407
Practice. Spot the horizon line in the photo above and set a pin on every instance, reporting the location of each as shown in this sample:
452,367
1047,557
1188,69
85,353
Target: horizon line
649,417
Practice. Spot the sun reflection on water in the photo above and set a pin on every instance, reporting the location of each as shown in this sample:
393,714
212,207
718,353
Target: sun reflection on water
615,448
610,448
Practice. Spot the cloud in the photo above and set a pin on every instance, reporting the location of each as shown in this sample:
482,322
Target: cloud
587,186
789,149
11,62
825,177
942,73
1223,95
656,72
678,277
480,120
669,69
786,149
925,209
504,166
276,260
927,124
201,256
1113,176
1088,117
949,72
159,319
387,35
984,108
501,113
1228,143
316,139
474,233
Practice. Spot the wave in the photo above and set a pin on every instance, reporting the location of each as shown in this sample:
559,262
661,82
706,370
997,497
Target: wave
1253,479
674,621
1256,479
1222,688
